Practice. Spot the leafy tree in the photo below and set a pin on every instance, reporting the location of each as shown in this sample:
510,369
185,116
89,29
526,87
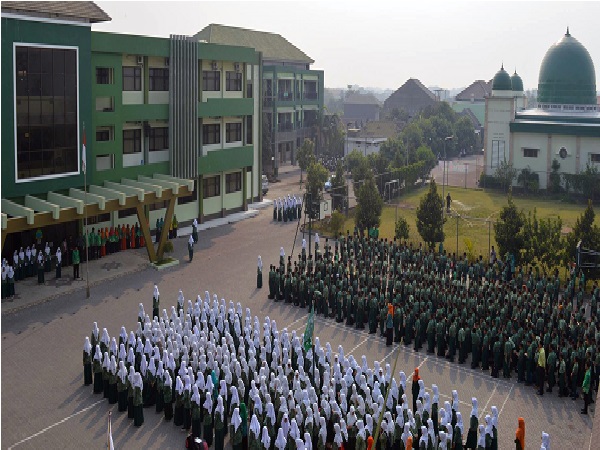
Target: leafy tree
425,155
430,220
506,173
339,190
336,223
361,173
529,180
412,135
584,231
589,180
369,205
353,160
316,176
549,244
508,230
402,229
554,182
465,134
306,155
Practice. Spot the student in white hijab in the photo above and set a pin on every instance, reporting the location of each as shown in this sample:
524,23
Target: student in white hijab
281,440
236,430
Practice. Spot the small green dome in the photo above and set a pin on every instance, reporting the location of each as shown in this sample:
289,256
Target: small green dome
567,74
501,81
516,82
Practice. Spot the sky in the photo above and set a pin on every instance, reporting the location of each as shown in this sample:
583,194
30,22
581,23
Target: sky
383,43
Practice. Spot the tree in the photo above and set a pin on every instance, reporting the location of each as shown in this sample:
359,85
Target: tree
506,174
316,176
402,229
306,155
425,154
554,184
339,191
353,160
370,205
550,244
430,219
465,134
361,173
584,231
508,230
529,180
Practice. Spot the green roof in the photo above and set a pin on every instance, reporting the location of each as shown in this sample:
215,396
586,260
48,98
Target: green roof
501,81
273,46
517,82
567,74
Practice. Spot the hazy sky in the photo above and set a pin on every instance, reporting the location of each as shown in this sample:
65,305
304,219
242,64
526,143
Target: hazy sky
382,43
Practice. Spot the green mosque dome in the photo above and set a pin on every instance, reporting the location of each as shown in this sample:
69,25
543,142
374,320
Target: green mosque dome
501,81
516,82
567,74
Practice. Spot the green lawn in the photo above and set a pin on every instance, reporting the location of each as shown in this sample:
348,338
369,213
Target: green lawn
474,207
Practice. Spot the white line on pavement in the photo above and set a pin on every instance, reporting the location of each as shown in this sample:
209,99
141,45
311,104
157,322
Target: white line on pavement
54,424
488,402
506,399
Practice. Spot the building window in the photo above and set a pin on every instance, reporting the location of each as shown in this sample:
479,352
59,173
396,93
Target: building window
211,134
104,134
310,90
46,111
211,186
159,79
132,78
189,198
233,182
233,81
530,152
132,141
105,162
211,80
249,89
233,132
249,130
104,75
159,139
498,154
595,157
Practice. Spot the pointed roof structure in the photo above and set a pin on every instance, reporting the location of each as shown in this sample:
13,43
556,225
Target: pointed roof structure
82,11
477,91
411,97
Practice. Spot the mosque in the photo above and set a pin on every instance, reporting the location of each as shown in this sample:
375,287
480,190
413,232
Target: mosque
564,126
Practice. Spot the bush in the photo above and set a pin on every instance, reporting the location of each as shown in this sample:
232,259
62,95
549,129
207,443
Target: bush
336,223
490,182
402,229
168,247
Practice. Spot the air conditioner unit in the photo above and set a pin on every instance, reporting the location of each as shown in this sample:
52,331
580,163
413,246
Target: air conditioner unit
139,60
214,65
167,61
563,152
236,66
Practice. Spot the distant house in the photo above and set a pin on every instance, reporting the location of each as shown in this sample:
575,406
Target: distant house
361,107
411,97
476,92
370,138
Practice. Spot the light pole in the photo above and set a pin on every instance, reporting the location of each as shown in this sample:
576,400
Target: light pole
447,138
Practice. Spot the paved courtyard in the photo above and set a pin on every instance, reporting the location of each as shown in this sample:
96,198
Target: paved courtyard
44,402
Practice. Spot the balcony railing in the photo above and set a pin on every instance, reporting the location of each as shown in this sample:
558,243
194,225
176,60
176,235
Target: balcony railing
311,95
285,127
286,96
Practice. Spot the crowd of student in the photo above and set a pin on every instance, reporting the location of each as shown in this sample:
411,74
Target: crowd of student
506,319
211,369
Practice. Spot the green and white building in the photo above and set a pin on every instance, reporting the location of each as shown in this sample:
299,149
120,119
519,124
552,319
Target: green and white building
565,126
162,119
292,92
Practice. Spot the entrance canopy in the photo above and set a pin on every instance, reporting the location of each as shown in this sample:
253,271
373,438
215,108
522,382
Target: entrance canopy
58,208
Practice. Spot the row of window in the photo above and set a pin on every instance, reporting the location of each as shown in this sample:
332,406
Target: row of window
211,186
158,139
211,133
534,152
159,79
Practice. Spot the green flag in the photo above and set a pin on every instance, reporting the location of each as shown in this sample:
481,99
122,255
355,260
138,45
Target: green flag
309,331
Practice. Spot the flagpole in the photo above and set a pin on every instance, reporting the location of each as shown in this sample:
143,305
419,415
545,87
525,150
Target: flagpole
87,238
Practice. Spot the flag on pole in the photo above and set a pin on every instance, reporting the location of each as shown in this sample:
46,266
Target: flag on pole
83,157
109,442
310,330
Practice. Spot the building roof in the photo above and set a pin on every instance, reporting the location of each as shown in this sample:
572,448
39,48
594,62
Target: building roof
358,98
411,96
478,90
380,129
477,109
273,46
88,11
516,82
567,74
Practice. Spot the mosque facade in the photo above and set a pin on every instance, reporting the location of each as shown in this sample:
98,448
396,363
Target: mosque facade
565,125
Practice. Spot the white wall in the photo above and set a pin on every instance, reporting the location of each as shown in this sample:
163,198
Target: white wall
499,113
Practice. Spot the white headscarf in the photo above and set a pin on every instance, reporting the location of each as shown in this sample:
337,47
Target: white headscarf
236,419
260,263
255,426
474,408
156,293
495,417
87,346
265,439
338,435
281,441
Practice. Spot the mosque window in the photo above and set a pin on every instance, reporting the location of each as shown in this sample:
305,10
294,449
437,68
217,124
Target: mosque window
530,152
595,157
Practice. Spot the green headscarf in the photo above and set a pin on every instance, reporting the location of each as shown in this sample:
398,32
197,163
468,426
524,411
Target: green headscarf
244,416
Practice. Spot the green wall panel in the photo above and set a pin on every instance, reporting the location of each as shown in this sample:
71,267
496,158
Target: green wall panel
24,31
548,128
130,44
133,113
225,160
226,107
218,52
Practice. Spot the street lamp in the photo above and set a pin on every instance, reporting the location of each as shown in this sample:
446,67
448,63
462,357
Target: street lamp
447,138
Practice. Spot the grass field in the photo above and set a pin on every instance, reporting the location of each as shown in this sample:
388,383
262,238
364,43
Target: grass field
477,209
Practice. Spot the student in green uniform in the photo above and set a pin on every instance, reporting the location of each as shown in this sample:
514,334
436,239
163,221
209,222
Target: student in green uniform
75,258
